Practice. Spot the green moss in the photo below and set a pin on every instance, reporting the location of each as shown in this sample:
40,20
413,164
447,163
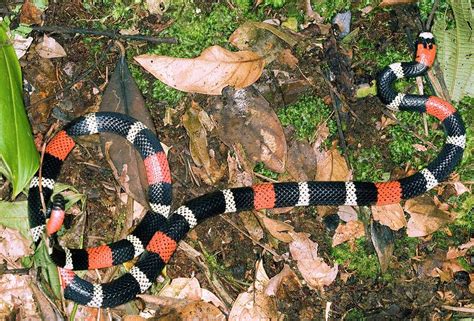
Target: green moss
365,162
306,115
364,264
405,247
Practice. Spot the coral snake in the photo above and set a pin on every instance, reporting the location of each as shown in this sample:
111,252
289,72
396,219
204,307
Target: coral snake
155,238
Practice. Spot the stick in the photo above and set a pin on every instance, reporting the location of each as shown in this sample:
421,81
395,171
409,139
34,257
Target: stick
111,34
458,309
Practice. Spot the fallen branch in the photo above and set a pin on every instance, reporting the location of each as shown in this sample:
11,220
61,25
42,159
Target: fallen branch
458,309
111,34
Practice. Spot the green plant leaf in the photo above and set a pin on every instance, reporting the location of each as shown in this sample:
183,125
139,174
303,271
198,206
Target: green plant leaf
15,215
17,150
455,48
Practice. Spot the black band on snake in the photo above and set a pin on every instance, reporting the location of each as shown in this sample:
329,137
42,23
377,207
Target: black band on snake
157,235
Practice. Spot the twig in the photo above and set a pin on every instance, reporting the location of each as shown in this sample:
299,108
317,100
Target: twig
431,16
458,309
336,104
250,237
111,34
271,180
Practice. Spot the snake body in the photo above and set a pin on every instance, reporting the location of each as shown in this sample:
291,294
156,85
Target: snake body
157,236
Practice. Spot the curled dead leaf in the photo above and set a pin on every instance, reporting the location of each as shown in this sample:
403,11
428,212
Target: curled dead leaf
211,172
348,232
254,304
283,282
391,215
314,270
333,167
278,229
209,73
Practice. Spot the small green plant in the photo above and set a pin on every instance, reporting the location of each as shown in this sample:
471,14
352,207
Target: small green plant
306,115
366,265
261,169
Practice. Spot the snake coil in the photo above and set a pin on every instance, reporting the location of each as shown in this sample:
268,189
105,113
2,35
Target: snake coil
156,237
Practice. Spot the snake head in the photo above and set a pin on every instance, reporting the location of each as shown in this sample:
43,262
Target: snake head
425,49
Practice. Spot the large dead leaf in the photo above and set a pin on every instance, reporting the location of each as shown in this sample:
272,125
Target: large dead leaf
278,229
209,73
425,216
313,268
248,119
391,215
210,173
254,304
347,213
348,232
301,162
12,244
123,96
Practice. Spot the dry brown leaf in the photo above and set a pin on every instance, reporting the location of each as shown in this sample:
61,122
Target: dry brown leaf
278,229
238,177
50,48
254,304
13,245
389,3
460,188
287,58
211,173
200,310
17,292
454,253
301,161
467,245
333,167
30,14
314,270
348,232
425,216
209,73
347,213
384,122
252,225
282,283
391,215
248,119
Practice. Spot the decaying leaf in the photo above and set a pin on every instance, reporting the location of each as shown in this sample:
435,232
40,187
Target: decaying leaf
287,58
278,229
30,13
313,268
21,45
391,215
460,188
246,111
123,96
198,147
209,73
284,282
347,213
348,232
50,48
333,167
13,245
425,216
17,292
252,225
263,38
254,304
238,176
301,161
383,241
